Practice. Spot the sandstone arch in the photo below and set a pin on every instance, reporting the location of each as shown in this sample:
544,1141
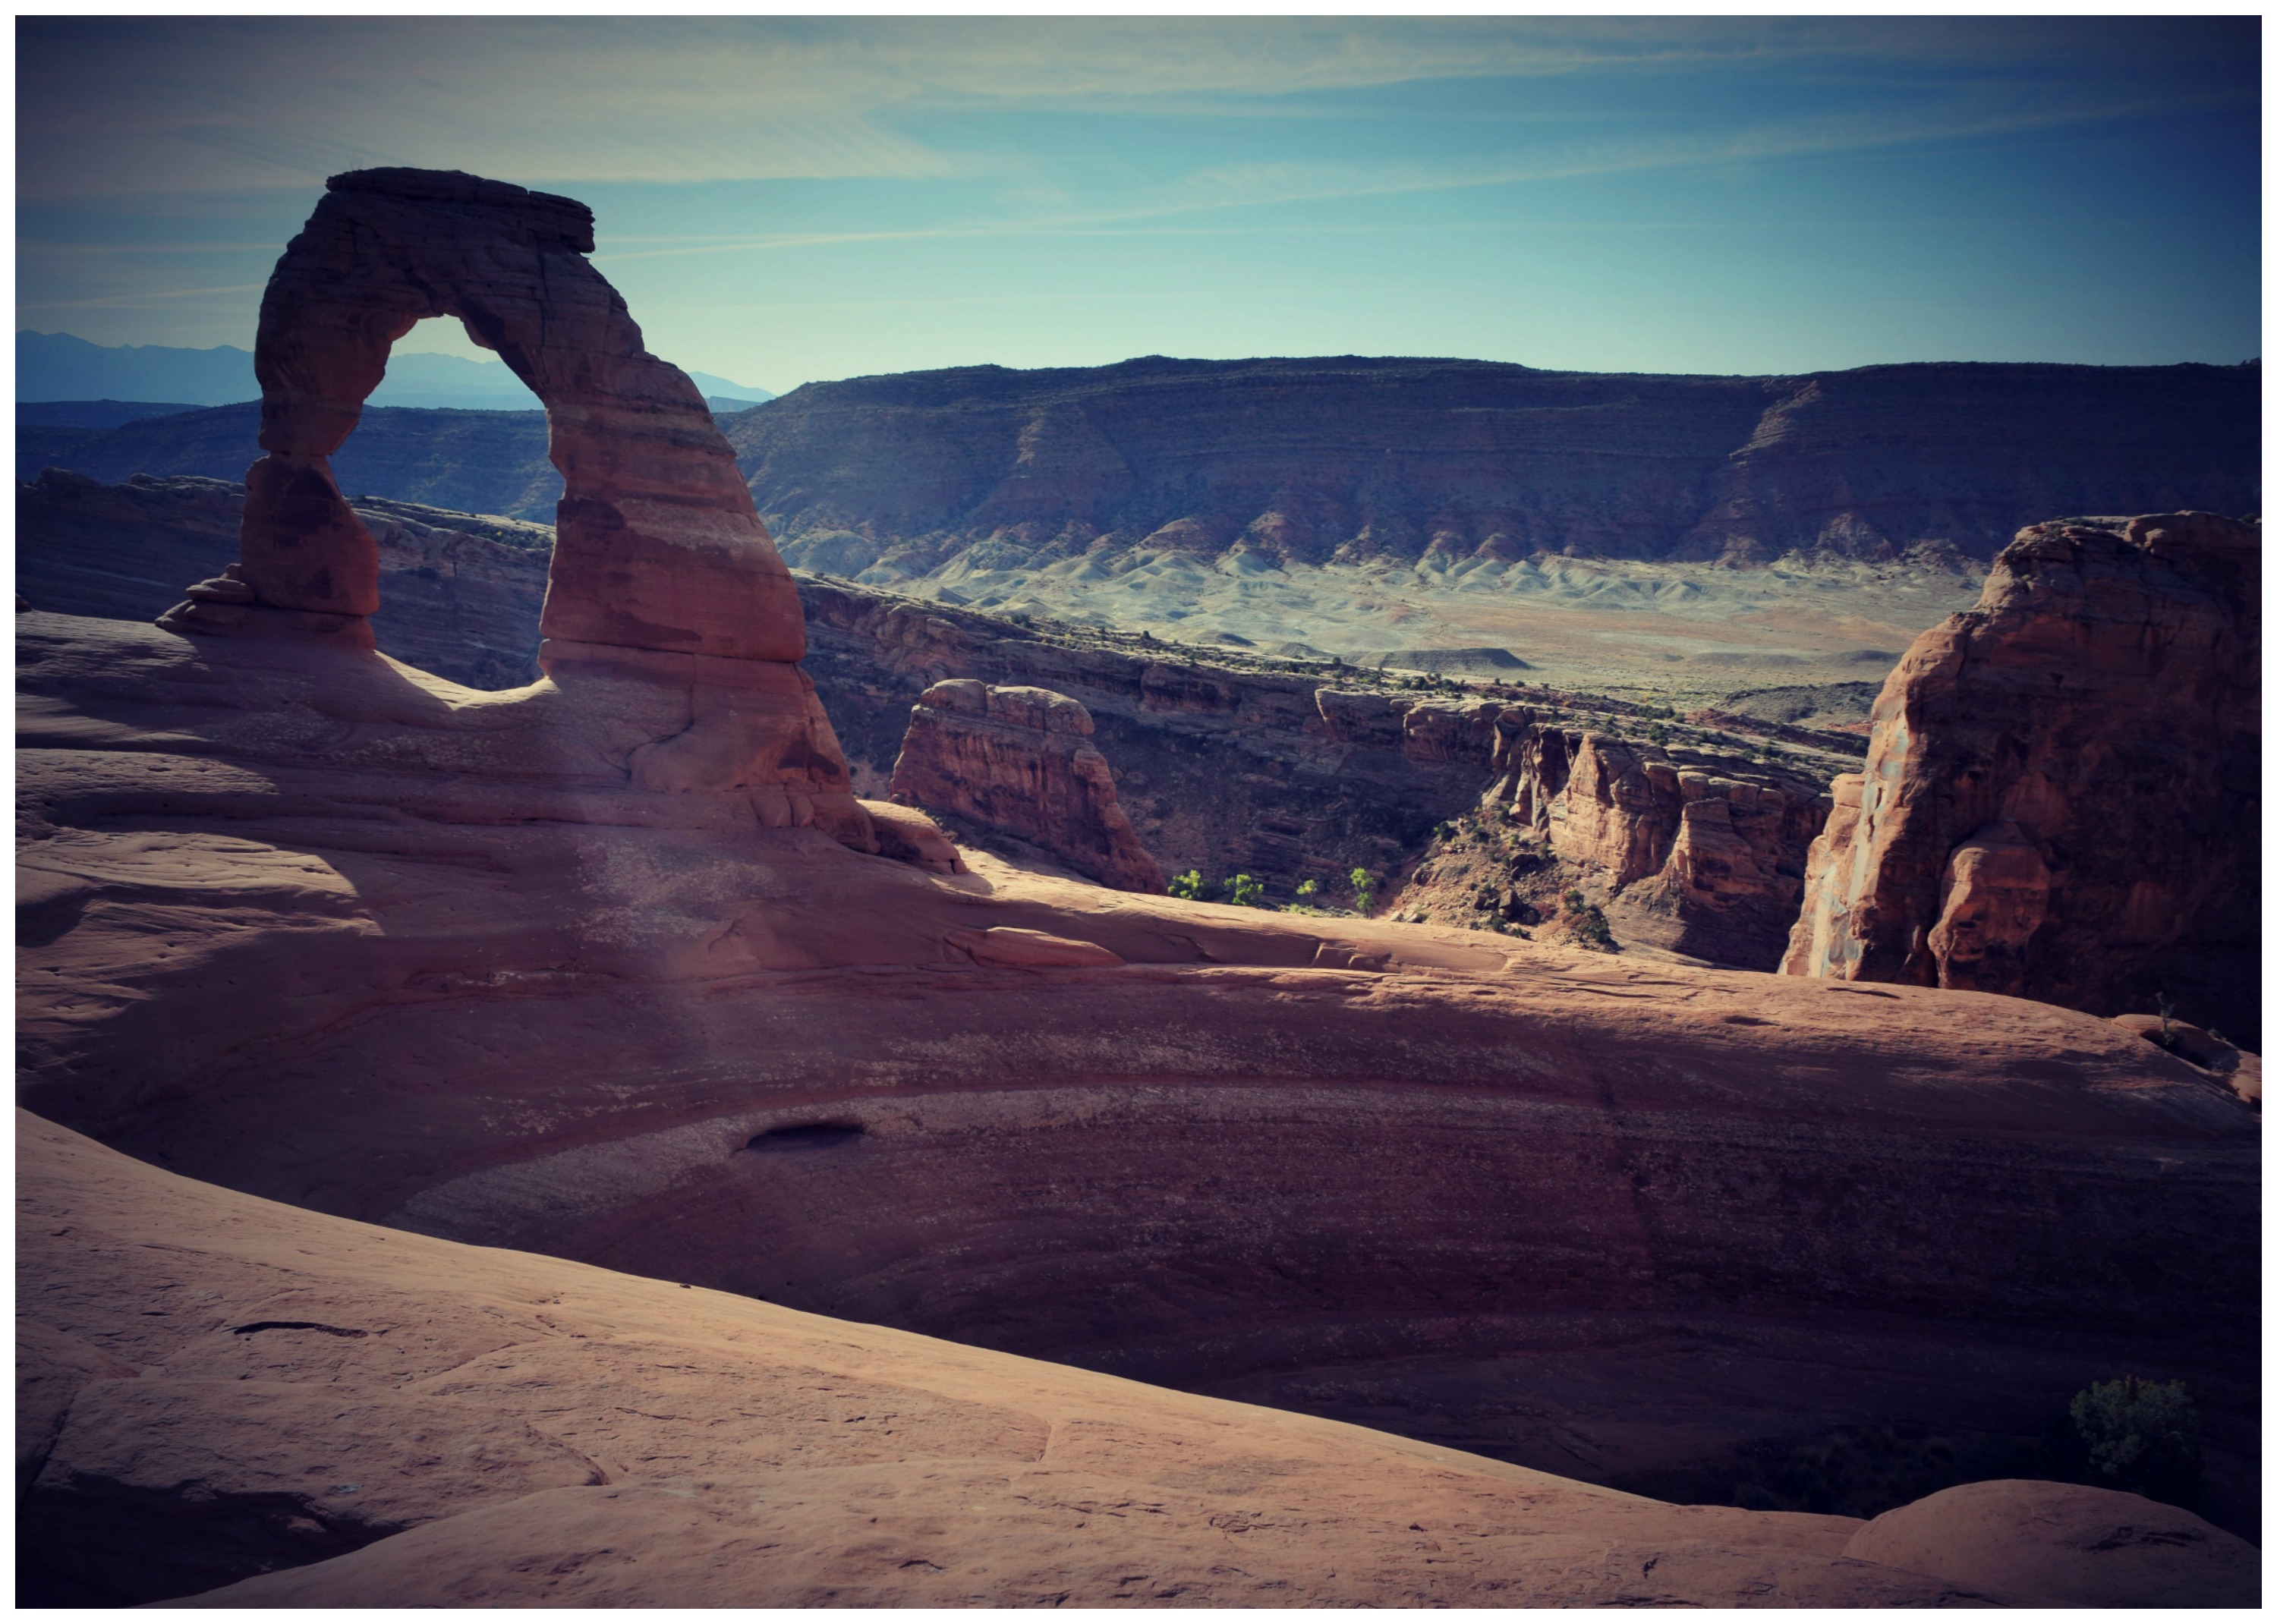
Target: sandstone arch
662,573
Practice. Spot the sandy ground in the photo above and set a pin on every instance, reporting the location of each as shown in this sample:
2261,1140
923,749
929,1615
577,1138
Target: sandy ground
1690,632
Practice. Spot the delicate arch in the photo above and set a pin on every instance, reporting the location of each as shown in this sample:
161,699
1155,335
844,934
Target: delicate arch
657,544
663,576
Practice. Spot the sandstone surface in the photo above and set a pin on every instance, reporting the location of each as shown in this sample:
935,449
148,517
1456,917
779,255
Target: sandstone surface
2067,1544
1019,762
313,925
2061,798
321,1413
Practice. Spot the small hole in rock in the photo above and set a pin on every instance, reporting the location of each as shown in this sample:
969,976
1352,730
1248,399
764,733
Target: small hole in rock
806,1136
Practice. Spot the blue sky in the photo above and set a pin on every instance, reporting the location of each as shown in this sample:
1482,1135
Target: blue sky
786,200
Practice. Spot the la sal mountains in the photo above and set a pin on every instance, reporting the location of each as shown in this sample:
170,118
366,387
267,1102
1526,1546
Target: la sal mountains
53,368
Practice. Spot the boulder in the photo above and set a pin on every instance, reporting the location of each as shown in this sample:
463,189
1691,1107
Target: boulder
2061,797
2066,1545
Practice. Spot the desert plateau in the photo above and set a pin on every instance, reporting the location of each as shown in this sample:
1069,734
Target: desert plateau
1356,980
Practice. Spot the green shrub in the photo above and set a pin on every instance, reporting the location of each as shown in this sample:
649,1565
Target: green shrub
1363,886
2141,1436
1309,891
1245,893
1588,924
1190,886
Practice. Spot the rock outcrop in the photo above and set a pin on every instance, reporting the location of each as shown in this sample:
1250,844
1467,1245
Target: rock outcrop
671,629
2061,798
1454,463
1019,762
327,1414
1700,854
2066,1545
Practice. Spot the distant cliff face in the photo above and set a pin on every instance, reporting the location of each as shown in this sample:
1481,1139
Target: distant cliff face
1352,459
2061,799
474,462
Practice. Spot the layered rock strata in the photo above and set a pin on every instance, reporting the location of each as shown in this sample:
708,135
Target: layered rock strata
330,1415
662,581
1460,466
315,926
2061,798
1019,762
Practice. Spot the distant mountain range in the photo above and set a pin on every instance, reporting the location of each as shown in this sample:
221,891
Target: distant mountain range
57,367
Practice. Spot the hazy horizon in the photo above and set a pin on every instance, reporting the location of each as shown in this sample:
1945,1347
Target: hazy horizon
783,201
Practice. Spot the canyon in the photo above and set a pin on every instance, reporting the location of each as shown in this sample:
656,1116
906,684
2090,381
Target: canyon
1225,761
475,1083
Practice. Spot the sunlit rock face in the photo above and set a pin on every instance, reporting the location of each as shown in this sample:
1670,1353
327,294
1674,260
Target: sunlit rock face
2061,801
662,575
1020,760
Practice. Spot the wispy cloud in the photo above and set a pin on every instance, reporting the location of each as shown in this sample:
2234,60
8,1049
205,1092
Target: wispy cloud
148,105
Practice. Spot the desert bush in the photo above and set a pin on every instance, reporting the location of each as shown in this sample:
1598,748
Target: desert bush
1190,886
1242,892
1363,886
2141,1436
1586,921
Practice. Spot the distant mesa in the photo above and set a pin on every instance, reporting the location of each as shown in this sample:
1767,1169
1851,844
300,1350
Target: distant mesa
1930,466
1444,662
1826,704
94,414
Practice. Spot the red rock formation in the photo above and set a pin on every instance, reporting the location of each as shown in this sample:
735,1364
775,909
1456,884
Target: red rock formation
662,575
1700,854
1019,760
329,1414
2061,797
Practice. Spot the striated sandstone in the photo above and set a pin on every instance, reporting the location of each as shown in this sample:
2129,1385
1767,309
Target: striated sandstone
329,1414
2061,797
325,930
1019,762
